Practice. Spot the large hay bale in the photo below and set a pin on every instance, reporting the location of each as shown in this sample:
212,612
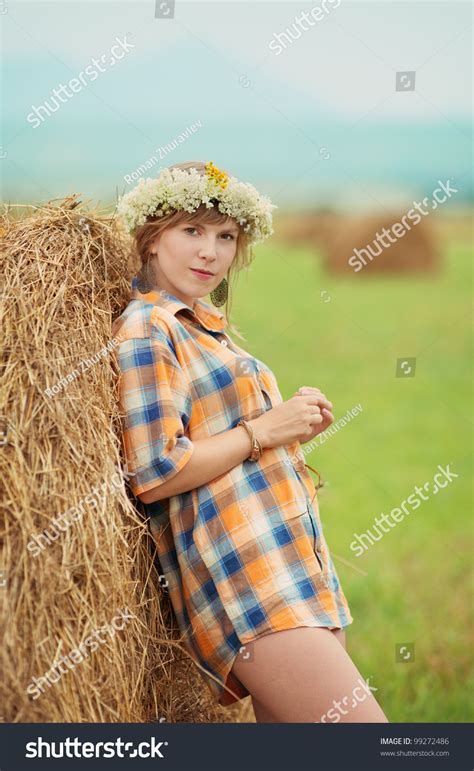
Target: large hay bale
337,237
355,238
69,571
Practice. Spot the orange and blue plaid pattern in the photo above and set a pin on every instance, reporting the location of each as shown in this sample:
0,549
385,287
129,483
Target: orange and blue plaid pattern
244,554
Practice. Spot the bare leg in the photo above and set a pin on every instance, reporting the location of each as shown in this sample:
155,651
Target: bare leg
305,675
340,635
262,715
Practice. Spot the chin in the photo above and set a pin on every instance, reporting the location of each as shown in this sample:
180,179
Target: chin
195,294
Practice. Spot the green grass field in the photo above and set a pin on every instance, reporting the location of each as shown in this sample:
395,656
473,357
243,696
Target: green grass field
415,584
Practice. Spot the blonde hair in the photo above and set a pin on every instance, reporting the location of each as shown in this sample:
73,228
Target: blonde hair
147,233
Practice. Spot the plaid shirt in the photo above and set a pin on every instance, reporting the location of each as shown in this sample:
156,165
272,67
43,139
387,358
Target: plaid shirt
244,554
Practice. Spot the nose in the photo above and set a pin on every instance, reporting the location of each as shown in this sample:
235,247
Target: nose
208,248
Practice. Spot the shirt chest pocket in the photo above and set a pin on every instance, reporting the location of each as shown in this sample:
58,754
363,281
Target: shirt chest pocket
228,384
264,377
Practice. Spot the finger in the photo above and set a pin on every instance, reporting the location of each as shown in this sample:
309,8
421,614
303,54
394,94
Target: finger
328,415
318,399
308,390
324,398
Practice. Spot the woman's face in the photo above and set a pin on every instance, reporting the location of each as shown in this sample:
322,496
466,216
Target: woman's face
182,248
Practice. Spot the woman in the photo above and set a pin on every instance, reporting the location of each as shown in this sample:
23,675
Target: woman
215,457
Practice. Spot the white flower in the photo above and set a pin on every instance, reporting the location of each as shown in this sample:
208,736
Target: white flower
180,189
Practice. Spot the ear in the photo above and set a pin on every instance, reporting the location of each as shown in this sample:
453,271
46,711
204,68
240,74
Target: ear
154,245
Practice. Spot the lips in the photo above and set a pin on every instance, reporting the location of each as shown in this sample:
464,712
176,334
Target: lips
202,272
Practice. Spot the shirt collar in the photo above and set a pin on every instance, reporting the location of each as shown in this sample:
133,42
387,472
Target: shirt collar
206,315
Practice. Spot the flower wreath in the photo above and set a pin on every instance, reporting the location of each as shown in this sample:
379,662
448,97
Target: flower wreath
180,189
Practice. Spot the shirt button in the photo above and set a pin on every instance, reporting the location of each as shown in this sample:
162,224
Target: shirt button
223,342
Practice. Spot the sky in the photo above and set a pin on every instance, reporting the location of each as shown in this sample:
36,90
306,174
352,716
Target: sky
317,121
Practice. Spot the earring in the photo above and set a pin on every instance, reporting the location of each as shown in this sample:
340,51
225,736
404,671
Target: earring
220,293
145,283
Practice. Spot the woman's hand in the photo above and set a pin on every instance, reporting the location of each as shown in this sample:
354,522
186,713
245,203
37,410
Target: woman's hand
325,406
300,419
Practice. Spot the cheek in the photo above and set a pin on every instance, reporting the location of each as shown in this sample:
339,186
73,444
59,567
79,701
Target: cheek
228,253
174,261
180,251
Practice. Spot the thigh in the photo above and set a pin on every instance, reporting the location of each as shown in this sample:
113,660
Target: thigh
263,715
340,635
305,675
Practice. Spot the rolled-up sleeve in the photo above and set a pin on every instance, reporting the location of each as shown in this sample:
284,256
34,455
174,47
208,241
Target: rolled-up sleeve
155,406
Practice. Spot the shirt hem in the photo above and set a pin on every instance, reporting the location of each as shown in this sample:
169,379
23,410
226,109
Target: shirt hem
224,698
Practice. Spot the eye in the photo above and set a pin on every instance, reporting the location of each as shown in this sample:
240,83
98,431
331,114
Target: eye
226,236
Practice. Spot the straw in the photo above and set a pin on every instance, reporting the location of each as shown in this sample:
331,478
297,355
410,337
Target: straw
67,271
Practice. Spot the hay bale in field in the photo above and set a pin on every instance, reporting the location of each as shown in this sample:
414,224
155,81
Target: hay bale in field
409,248
375,244
76,553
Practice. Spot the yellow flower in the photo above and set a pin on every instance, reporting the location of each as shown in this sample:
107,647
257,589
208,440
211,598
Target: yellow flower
220,177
